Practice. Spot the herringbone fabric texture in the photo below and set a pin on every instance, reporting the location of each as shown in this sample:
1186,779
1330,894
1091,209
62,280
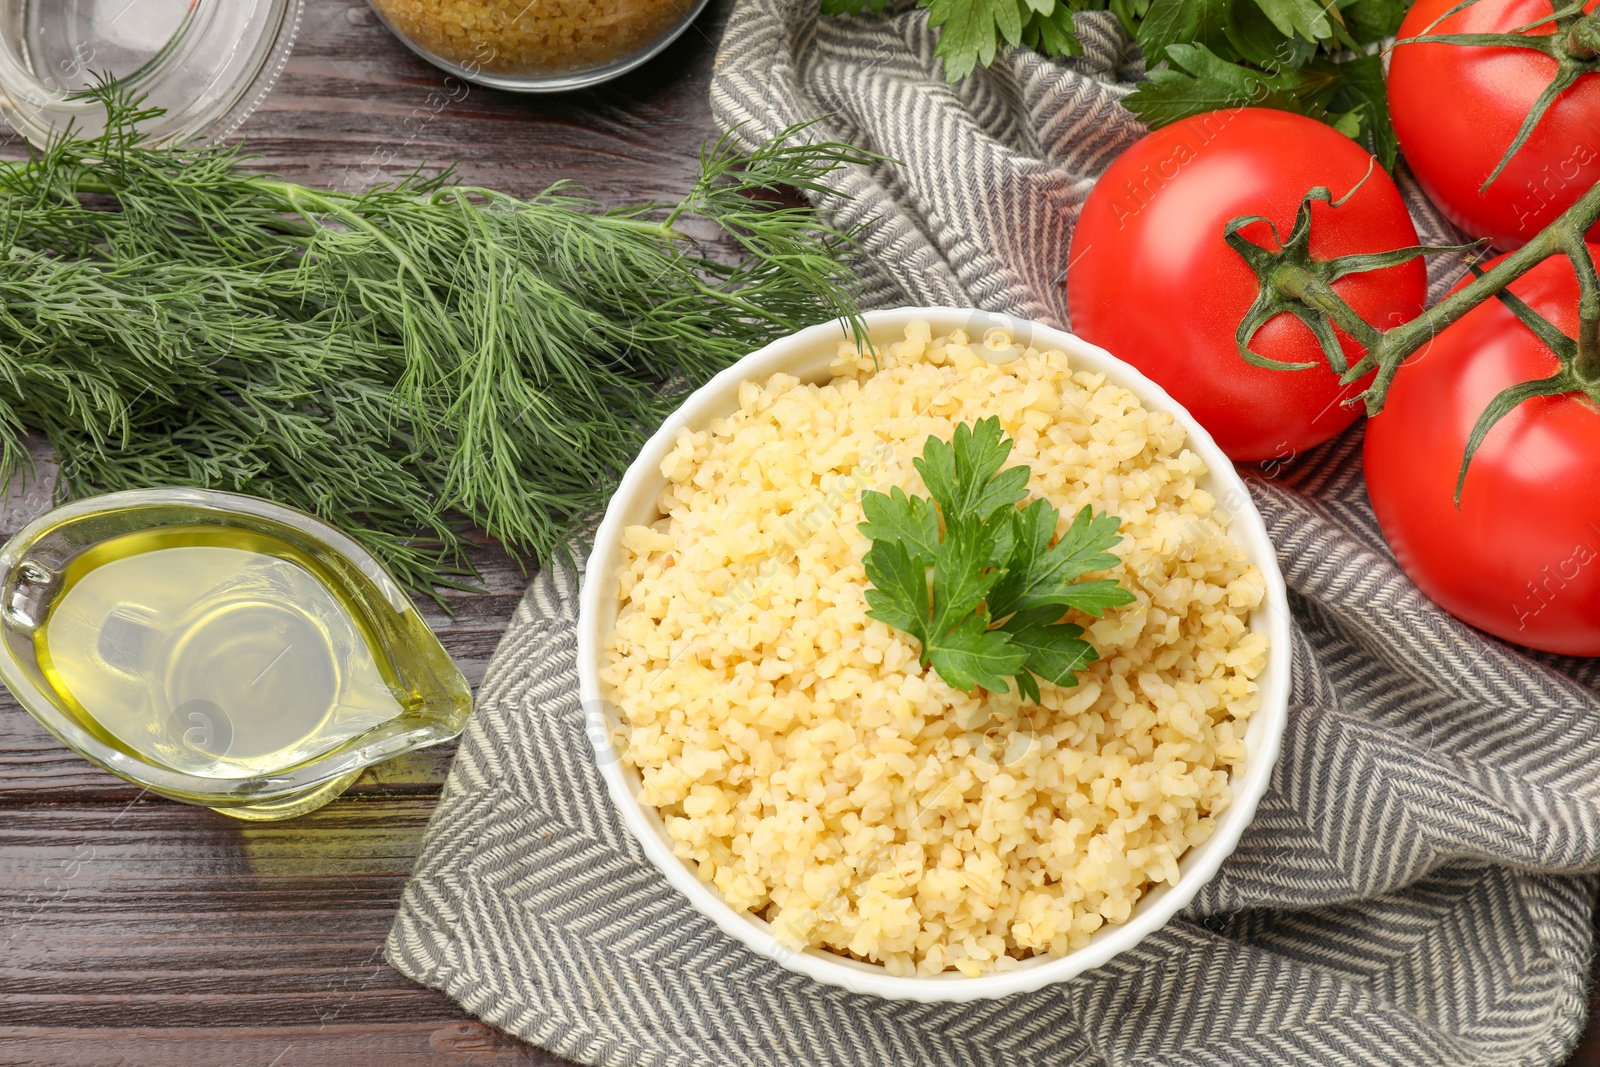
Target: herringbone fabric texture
1416,889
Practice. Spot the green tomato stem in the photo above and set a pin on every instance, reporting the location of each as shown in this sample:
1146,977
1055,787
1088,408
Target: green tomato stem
1583,39
1564,236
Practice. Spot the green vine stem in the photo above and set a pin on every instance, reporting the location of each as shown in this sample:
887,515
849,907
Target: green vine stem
1292,282
1564,236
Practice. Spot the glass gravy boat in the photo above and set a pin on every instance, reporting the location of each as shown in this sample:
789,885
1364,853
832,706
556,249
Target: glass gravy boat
219,650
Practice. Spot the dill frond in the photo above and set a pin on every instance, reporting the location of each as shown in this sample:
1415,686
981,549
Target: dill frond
400,363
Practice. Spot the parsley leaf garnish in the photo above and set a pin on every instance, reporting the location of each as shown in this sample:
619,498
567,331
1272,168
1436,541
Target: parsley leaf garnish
1054,650
964,477
1001,580
898,517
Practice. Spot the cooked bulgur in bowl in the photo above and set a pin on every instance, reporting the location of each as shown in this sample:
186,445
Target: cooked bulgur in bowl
788,761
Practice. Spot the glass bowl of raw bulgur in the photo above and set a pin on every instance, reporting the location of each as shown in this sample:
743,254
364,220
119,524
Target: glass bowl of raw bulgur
787,761
537,45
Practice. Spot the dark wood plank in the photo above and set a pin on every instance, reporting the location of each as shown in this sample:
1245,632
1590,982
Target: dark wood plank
149,932
354,108
431,1039
170,935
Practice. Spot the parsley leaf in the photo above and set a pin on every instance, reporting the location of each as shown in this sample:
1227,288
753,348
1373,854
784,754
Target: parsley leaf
1198,80
972,654
1039,575
971,32
1183,22
899,593
1373,20
964,476
1051,30
956,640
910,520
1309,19
1287,74
1055,650
1001,579
1253,36
961,573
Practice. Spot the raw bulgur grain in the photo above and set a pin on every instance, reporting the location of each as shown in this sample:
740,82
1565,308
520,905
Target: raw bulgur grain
531,38
806,765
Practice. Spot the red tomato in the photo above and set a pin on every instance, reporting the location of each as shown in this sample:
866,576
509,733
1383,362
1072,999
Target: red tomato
1457,108
1520,557
1151,279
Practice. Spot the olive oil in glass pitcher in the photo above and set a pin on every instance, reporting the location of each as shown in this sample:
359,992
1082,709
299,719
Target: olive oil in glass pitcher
219,650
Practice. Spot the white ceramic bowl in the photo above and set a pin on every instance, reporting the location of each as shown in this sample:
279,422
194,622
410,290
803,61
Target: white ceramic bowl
807,355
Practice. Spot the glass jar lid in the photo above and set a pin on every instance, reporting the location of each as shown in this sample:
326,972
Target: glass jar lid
208,63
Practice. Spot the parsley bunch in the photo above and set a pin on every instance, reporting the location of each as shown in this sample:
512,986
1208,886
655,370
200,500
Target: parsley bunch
999,586
1312,57
973,29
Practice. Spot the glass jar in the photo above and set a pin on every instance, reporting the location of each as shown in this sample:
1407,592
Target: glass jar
208,63
537,45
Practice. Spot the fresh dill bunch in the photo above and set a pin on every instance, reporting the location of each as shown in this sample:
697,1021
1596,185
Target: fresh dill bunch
400,363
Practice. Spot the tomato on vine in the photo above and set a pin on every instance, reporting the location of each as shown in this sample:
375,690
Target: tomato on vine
1152,277
1497,111
1520,555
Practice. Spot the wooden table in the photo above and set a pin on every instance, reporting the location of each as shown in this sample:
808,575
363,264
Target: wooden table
138,931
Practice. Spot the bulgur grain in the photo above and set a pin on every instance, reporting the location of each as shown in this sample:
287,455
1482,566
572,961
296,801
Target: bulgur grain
544,37
806,765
